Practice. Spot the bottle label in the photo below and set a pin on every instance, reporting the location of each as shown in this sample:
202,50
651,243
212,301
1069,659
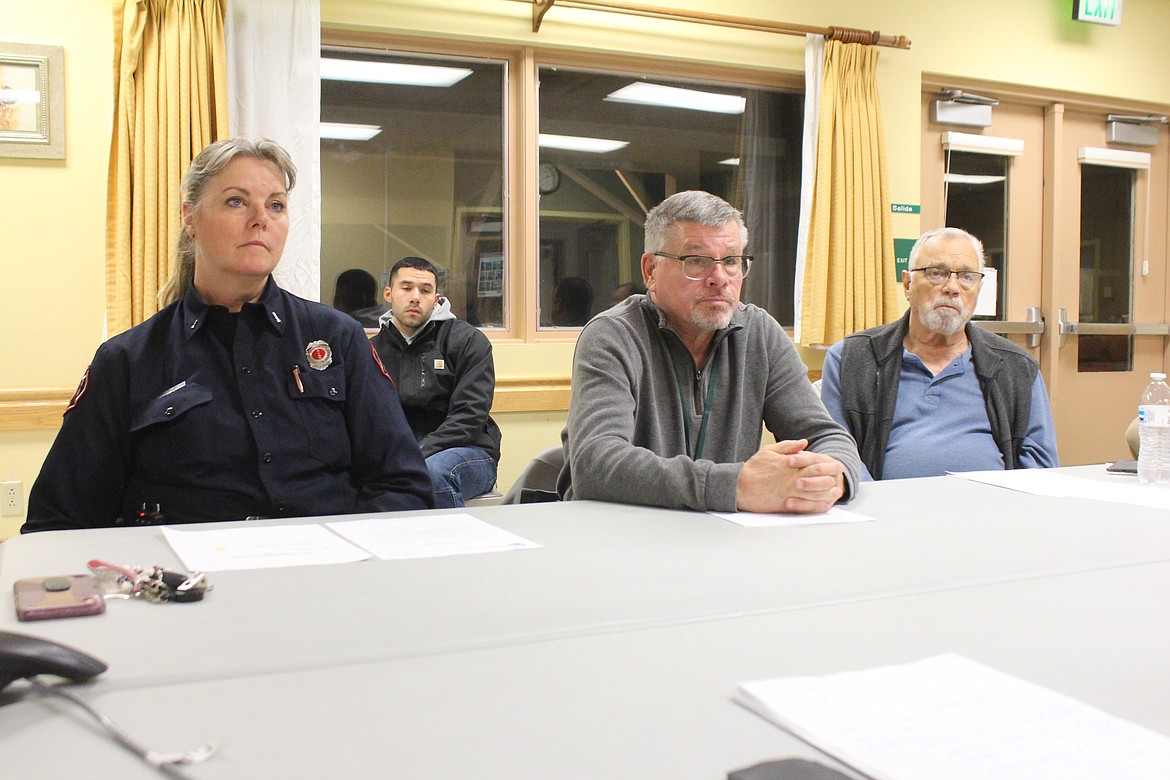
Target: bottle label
1154,415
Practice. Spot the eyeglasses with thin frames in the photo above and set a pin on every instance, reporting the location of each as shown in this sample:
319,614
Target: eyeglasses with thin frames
938,276
699,267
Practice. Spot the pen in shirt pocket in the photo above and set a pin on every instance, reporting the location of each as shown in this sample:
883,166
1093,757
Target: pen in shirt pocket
297,378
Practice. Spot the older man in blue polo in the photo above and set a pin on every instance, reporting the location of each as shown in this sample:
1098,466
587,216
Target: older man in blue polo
931,393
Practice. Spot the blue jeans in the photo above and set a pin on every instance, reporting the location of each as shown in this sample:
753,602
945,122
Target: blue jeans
460,472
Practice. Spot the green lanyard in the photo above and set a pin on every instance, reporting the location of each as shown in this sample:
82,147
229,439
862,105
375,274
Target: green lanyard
711,380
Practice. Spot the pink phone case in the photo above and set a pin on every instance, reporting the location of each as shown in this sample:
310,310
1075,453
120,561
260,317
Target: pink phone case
70,595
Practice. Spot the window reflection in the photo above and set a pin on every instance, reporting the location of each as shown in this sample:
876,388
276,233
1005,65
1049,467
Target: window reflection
593,203
429,183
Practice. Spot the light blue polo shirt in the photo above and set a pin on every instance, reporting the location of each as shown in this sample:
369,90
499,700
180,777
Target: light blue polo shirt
940,422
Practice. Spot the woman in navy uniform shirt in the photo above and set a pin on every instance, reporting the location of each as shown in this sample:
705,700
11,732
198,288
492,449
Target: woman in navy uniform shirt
237,399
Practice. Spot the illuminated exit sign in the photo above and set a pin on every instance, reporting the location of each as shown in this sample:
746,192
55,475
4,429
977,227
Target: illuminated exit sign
1098,11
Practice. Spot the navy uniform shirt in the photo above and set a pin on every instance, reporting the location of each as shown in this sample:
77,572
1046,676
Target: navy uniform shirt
199,414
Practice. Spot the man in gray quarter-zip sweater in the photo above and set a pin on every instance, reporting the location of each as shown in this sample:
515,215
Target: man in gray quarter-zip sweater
670,389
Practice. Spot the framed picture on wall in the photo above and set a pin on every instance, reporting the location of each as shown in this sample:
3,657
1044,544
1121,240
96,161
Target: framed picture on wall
32,101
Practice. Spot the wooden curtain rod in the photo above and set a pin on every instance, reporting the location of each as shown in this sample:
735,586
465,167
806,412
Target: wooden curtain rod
846,34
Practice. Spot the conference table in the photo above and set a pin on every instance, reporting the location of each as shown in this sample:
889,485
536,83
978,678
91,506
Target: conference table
613,650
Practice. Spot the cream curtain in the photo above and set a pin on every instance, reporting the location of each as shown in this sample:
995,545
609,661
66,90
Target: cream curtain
170,101
283,36
848,279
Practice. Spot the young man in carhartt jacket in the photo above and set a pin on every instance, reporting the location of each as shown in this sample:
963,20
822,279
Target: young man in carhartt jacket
446,381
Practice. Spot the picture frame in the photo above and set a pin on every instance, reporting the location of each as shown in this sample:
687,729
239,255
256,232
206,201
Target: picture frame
32,101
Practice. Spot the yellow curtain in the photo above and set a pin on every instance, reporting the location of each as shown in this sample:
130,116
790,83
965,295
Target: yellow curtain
170,101
849,282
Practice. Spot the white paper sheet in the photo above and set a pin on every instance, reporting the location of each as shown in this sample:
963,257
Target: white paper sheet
260,547
1124,489
428,536
949,717
761,520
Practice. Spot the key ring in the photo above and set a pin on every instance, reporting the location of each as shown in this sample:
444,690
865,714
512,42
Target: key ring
157,584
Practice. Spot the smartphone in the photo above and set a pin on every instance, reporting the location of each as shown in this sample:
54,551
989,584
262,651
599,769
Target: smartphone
70,595
1122,467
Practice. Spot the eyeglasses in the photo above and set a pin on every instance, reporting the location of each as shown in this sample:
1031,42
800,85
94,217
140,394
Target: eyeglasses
699,267
936,276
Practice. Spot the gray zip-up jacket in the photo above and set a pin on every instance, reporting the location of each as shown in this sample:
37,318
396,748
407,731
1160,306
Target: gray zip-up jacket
628,437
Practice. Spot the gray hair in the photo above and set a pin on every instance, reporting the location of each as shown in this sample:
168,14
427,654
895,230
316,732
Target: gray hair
690,206
947,233
206,164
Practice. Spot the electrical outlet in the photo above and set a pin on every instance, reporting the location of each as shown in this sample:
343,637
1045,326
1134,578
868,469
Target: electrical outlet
11,498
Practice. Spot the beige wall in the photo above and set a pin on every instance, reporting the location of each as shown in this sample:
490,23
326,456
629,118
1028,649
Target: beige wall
52,212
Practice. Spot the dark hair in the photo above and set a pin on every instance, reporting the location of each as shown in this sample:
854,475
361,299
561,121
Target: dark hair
356,289
417,263
572,301
206,164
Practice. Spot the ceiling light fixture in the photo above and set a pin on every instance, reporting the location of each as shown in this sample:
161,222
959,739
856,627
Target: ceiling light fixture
341,131
730,161
578,143
674,97
392,73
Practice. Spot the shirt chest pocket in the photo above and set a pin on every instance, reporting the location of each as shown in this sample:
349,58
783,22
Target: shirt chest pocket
177,427
170,408
319,397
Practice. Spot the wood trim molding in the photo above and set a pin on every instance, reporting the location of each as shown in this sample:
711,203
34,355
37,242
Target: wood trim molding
33,408
532,394
40,408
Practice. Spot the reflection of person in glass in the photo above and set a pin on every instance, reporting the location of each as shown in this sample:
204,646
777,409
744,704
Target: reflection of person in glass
625,290
237,399
572,302
356,294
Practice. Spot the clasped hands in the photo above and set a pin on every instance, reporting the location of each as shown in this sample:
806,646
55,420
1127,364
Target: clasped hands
786,477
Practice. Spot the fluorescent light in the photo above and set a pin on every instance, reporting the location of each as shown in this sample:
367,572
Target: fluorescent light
578,143
674,97
392,73
971,178
730,161
343,132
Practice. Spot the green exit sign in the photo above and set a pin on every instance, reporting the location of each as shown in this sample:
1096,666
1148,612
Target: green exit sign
1098,11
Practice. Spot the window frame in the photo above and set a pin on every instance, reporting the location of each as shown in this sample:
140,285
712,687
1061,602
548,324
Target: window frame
521,155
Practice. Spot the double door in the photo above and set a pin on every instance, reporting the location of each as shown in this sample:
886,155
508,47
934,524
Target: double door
1074,227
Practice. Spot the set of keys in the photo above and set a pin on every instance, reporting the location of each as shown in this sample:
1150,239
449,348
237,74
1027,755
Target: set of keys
156,584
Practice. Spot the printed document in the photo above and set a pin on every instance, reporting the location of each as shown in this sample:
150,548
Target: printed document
1050,482
260,547
428,536
777,520
949,717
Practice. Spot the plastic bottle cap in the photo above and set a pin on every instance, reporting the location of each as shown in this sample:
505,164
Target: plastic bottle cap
1157,376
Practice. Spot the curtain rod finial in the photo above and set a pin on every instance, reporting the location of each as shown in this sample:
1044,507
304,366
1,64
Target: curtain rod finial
539,9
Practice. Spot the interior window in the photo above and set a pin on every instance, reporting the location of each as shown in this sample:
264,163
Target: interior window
976,201
614,145
1107,217
412,164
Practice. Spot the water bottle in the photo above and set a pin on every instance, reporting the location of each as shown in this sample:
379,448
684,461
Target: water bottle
1154,430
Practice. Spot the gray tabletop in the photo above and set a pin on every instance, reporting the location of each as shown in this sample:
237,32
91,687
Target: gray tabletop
611,651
